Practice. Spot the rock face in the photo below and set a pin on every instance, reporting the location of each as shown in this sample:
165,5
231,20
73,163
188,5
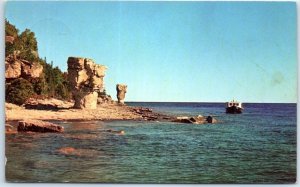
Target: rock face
12,69
85,99
38,126
121,91
16,68
86,80
33,70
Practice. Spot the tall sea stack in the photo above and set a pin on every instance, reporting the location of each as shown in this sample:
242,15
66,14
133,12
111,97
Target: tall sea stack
86,80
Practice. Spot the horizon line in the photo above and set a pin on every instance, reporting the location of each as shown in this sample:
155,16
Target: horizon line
207,102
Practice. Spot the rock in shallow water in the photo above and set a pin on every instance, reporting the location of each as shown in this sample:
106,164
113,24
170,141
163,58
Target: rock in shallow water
210,119
38,126
195,120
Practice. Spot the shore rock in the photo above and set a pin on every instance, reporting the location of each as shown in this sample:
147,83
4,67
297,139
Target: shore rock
39,126
8,127
148,115
104,99
86,79
47,104
121,91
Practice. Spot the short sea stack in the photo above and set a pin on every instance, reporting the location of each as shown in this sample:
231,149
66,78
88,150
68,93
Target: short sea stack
121,91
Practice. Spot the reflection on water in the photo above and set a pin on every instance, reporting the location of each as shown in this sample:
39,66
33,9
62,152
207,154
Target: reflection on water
242,149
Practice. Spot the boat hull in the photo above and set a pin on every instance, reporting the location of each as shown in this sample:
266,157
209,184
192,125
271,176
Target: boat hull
234,110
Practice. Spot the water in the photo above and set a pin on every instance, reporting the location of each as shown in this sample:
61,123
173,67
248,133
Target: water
258,146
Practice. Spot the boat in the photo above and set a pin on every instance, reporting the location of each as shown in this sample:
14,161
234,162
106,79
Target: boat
234,107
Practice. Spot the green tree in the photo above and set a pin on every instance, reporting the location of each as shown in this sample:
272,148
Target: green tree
18,91
39,85
28,46
10,30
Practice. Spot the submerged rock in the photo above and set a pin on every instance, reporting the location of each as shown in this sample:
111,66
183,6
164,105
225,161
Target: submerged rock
120,132
38,126
67,150
70,151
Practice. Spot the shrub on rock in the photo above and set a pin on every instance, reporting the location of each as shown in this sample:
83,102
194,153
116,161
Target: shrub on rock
18,91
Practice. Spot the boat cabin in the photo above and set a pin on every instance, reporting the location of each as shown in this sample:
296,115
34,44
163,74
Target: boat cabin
234,103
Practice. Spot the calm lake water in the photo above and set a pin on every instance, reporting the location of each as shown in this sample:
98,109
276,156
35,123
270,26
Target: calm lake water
258,146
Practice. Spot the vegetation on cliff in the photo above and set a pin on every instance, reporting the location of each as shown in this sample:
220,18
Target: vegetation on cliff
18,91
24,47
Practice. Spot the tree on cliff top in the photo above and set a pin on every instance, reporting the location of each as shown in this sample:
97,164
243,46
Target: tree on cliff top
25,43
10,30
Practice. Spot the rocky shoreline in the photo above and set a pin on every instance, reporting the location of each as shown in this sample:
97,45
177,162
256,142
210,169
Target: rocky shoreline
57,110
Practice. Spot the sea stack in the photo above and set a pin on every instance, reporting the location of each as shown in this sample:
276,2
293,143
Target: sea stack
121,91
86,79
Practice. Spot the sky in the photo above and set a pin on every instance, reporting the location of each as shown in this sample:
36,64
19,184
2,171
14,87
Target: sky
173,51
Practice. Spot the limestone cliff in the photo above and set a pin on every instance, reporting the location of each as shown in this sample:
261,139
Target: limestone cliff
16,67
21,68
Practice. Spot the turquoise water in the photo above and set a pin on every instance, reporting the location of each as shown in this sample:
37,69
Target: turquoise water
258,146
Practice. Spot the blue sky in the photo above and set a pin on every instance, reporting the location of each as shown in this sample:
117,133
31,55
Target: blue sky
174,51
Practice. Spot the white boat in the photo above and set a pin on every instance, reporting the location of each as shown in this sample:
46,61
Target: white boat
234,107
